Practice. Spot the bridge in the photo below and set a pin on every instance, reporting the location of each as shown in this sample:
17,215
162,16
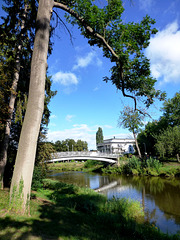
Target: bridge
84,155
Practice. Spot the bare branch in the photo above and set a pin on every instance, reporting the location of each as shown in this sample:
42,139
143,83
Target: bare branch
63,25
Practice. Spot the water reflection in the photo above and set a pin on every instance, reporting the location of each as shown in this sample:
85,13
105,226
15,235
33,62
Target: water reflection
159,197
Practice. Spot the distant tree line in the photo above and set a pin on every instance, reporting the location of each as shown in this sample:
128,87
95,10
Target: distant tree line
70,145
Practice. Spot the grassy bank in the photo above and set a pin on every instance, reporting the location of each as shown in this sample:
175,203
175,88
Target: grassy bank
131,166
150,167
87,166
61,211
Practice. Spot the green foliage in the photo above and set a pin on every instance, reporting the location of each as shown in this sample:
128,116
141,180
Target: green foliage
133,164
130,119
123,43
168,142
39,175
91,163
79,213
70,145
171,111
112,170
99,136
129,209
153,130
17,196
153,163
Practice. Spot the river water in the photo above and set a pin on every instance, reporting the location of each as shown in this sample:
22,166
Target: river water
160,198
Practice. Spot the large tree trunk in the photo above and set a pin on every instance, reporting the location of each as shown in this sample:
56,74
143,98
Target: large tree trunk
24,165
137,146
5,144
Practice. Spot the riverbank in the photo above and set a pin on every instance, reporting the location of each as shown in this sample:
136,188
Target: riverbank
130,166
61,211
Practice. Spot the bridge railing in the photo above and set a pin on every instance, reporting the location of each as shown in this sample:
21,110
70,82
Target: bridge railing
83,153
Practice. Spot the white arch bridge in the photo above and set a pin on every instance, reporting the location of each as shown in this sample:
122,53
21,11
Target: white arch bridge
84,155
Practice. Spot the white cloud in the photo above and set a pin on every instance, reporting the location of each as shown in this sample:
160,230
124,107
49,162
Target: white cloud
83,62
78,131
65,78
84,133
164,54
53,116
69,117
146,4
108,126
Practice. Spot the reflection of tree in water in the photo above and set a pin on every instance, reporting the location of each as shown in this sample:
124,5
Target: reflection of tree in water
149,215
165,192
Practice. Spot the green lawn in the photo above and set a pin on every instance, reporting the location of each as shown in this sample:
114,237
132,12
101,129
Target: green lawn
61,211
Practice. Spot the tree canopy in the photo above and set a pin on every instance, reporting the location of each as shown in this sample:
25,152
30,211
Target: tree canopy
132,120
123,43
99,136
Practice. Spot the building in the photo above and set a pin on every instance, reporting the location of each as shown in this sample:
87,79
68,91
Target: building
117,145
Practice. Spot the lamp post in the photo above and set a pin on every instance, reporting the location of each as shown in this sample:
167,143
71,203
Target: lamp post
145,148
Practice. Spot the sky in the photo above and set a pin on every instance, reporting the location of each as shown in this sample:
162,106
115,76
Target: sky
84,101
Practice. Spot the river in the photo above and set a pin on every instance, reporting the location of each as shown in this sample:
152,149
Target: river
160,198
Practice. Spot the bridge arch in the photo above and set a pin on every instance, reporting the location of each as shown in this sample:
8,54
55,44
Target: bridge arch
103,157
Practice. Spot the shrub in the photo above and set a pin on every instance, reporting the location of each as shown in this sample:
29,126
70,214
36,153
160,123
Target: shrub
153,163
38,175
134,163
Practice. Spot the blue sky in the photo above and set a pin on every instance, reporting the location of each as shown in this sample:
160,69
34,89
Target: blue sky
84,101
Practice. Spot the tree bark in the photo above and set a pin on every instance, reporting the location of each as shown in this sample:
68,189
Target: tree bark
24,165
137,146
3,155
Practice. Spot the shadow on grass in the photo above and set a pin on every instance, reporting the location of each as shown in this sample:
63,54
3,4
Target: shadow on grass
76,215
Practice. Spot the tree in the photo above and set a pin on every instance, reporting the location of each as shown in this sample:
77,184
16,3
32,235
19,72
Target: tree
99,136
13,28
81,145
168,142
171,111
170,118
132,120
122,43
70,145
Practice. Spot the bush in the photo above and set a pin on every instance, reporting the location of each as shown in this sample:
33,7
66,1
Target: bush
134,163
38,175
91,163
153,163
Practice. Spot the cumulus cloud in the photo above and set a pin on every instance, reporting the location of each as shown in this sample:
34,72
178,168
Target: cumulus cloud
84,133
65,78
69,117
145,5
164,52
90,58
78,131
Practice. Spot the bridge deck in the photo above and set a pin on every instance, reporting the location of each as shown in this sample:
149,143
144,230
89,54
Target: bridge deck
98,156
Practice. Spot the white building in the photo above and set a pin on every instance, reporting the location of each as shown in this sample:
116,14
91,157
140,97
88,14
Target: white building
117,145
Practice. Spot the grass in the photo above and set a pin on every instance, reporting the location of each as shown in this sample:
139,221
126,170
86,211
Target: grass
88,166
151,167
60,211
